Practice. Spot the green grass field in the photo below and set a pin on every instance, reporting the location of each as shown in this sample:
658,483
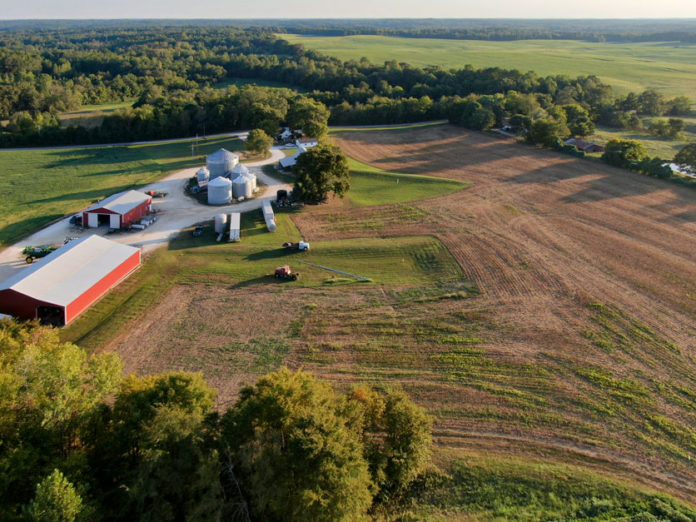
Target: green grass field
667,66
392,261
374,186
478,487
39,186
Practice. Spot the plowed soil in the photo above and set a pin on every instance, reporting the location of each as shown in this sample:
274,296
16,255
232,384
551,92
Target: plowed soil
587,312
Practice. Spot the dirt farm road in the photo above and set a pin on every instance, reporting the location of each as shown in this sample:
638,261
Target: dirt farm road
175,212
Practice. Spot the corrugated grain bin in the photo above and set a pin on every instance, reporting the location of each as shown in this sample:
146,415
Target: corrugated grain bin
221,163
243,186
219,191
202,176
220,223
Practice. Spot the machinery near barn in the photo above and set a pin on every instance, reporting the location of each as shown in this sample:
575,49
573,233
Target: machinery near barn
32,253
300,245
284,272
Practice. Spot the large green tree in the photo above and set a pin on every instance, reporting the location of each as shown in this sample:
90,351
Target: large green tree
155,459
296,452
579,121
55,501
319,171
624,153
309,115
258,142
396,435
686,157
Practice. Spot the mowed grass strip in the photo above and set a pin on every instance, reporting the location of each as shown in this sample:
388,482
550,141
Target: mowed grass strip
40,186
667,66
374,186
476,486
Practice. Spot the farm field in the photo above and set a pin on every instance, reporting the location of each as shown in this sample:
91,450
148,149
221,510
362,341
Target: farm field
669,67
39,186
90,116
547,312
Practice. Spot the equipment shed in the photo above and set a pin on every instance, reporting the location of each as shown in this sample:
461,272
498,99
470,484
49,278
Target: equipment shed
60,286
119,210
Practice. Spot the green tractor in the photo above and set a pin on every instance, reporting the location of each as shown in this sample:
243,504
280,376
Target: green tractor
32,253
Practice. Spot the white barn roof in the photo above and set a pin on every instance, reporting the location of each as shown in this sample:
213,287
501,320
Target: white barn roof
290,161
66,274
121,203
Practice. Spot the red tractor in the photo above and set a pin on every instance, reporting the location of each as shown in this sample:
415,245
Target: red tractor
284,272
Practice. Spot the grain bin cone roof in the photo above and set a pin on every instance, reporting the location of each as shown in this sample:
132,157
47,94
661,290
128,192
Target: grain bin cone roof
240,169
222,155
220,182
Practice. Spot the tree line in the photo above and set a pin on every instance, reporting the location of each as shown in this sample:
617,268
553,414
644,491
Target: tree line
174,74
79,442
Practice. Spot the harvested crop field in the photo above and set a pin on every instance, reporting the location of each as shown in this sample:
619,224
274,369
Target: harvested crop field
583,338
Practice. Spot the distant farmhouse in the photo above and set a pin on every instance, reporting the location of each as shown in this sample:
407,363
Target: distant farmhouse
584,146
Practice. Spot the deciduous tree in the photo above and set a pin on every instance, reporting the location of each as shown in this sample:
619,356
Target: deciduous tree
319,171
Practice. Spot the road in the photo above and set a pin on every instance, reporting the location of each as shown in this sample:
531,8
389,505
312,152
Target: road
174,213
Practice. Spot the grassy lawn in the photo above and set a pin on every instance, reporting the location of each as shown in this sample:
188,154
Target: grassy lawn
656,146
392,261
374,186
39,186
240,82
91,115
667,66
478,487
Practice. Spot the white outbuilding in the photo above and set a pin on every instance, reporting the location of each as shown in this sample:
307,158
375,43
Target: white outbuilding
221,163
219,191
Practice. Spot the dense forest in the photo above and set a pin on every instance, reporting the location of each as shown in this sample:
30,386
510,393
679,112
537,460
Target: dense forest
182,79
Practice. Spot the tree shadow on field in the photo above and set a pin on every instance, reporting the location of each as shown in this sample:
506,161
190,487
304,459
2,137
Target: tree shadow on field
15,231
607,182
275,253
94,194
267,279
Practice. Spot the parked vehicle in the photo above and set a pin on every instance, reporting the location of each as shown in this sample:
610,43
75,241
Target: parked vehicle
300,245
156,194
284,272
76,220
198,231
32,253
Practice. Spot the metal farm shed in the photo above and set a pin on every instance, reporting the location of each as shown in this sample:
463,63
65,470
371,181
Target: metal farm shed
119,210
59,287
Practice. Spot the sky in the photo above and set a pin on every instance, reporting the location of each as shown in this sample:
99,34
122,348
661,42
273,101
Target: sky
236,9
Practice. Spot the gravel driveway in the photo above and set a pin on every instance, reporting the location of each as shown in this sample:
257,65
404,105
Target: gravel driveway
175,212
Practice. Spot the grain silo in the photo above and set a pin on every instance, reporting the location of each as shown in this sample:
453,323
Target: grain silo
220,223
238,170
243,186
221,163
202,176
219,191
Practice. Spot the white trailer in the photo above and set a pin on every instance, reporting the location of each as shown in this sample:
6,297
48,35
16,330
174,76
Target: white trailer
268,216
235,219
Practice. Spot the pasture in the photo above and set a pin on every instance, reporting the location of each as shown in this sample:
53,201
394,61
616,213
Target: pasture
42,185
669,67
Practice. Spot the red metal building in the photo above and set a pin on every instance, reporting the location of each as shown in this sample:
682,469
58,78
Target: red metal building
119,210
59,287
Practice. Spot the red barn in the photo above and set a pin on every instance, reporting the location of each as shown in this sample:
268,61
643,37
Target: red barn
60,286
119,210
